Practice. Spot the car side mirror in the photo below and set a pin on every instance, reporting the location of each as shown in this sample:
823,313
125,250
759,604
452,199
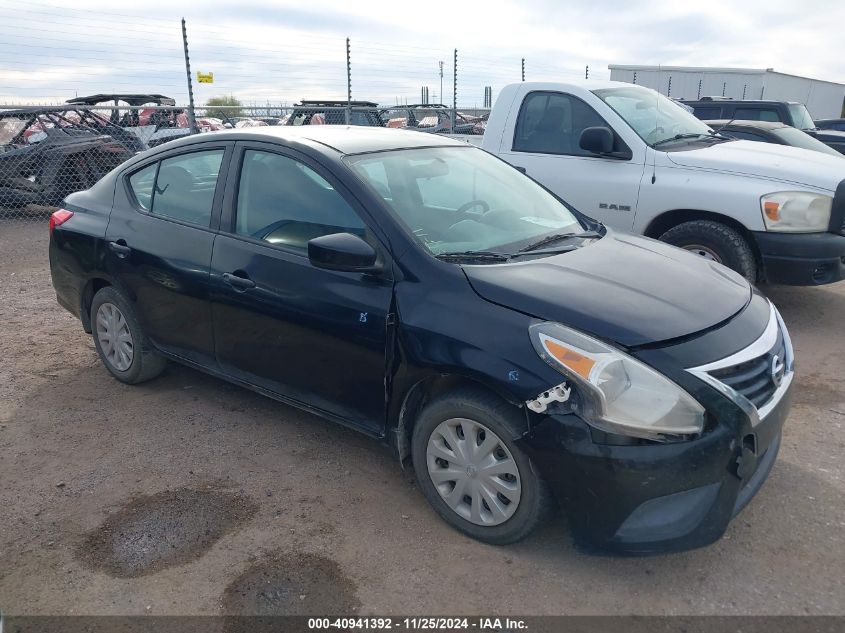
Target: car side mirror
342,251
597,140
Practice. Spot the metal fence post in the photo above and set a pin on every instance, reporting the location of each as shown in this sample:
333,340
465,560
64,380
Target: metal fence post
348,83
192,119
455,91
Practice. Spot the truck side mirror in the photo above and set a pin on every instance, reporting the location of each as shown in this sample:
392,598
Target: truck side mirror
597,140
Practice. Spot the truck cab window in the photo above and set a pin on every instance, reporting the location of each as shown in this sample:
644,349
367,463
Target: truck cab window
552,122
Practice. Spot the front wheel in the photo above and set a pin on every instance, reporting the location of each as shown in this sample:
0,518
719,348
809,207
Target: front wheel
717,242
472,472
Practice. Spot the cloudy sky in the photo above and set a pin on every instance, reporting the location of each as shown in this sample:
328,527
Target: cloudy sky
280,51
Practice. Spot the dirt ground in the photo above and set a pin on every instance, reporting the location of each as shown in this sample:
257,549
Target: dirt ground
187,495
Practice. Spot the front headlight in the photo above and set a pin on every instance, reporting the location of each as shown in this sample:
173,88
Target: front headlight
617,392
796,211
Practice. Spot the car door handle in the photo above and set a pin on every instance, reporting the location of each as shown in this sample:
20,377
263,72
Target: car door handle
522,169
236,281
120,248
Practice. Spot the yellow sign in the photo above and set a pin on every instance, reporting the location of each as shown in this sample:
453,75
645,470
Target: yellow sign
205,78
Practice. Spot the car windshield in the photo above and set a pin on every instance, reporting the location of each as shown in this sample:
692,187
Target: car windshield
655,118
801,117
458,199
797,138
9,129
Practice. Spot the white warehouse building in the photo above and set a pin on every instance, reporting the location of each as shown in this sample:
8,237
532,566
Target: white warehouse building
824,99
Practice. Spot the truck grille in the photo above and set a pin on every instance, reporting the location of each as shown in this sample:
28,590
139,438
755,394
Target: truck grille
753,378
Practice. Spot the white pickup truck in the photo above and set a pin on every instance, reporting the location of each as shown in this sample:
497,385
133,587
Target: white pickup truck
639,162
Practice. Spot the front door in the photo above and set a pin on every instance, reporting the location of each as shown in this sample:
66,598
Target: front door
546,145
310,335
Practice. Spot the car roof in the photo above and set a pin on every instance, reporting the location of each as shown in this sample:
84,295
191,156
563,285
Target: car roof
345,139
729,101
762,125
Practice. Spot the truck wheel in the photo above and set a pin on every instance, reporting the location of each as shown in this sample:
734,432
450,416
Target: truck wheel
120,341
717,242
471,470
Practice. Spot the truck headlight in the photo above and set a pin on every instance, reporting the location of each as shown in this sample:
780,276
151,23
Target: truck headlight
796,211
617,392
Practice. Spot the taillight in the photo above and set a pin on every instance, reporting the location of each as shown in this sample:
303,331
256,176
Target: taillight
59,217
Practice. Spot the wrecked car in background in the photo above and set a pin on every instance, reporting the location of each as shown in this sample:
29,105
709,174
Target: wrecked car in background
160,122
431,117
322,112
45,156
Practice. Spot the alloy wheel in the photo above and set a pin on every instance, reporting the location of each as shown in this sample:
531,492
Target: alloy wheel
114,337
473,471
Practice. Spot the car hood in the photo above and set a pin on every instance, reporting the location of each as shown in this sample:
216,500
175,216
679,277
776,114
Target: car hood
622,288
765,160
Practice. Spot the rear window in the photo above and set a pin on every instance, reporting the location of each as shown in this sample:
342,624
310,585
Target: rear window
757,114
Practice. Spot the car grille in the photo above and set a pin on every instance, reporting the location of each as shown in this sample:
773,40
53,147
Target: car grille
753,378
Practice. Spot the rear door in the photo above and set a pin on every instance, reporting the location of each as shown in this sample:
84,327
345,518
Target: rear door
545,143
313,336
159,241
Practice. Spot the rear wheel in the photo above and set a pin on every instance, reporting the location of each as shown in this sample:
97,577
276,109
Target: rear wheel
717,242
120,341
471,470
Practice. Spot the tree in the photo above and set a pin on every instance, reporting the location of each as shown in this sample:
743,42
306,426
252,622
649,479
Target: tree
213,109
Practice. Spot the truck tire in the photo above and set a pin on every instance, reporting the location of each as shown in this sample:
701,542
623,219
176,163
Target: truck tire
715,241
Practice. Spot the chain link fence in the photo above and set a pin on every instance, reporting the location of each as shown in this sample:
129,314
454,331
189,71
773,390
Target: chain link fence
47,153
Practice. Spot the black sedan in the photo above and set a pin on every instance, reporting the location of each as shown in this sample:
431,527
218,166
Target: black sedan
771,132
427,294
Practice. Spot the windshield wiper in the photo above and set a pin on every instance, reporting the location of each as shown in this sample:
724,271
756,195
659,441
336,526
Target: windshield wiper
462,256
557,237
679,137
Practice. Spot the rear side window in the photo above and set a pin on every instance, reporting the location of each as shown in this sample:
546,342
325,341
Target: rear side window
707,113
141,183
181,187
284,202
185,185
757,114
551,123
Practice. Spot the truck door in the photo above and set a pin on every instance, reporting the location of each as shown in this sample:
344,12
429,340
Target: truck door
544,141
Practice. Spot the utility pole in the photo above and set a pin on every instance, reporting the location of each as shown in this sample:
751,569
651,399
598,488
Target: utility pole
192,120
348,83
441,82
523,69
455,91
587,73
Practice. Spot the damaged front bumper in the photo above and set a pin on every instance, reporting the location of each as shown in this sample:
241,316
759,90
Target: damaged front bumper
646,497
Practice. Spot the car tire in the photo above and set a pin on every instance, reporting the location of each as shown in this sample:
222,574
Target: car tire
715,241
120,341
494,464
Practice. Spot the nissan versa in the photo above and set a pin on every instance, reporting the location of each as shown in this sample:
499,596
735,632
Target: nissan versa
428,294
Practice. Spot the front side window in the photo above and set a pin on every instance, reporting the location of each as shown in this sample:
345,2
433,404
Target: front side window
284,202
184,187
551,123
655,118
455,199
801,116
